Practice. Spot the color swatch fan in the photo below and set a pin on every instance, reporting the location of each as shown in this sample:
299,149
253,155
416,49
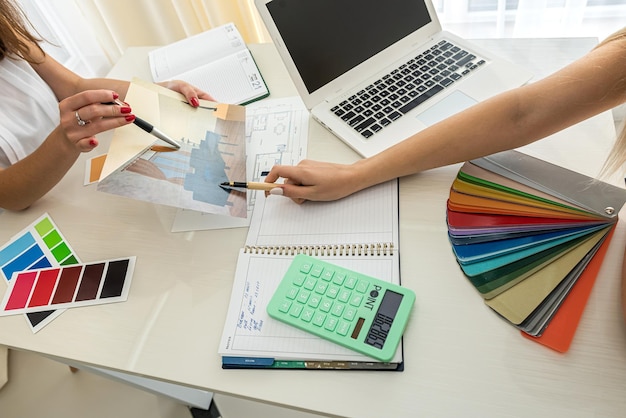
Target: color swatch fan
530,236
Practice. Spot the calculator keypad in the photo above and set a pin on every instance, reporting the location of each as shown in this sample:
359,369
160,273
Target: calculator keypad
316,296
341,305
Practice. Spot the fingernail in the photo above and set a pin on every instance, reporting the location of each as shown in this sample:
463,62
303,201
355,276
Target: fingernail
195,102
125,110
93,142
277,191
130,118
115,95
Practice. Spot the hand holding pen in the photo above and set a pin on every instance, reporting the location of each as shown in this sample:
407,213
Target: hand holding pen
270,188
146,126
82,117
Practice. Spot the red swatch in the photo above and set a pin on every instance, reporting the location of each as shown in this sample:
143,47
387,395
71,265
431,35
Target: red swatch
44,287
21,290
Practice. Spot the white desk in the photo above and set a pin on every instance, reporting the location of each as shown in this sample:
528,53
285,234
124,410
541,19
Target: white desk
461,359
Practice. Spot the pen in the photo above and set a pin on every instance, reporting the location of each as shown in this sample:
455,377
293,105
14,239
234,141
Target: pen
155,132
150,128
249,185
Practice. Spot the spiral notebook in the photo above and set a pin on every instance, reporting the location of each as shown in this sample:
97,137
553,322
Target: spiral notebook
359,232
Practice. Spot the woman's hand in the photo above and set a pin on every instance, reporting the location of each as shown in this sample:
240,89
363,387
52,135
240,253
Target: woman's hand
314,180
88,113
191,93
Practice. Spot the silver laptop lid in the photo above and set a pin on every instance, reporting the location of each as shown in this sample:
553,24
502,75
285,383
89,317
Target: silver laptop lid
327,53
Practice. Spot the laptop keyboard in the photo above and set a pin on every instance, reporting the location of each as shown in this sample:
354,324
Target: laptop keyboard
397,93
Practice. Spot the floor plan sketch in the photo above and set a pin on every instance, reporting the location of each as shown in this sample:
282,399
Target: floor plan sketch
276,132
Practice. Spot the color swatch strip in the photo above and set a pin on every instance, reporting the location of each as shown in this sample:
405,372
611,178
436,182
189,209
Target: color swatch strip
71,286
39,245
529,236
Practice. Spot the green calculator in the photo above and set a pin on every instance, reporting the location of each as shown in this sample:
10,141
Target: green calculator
360,312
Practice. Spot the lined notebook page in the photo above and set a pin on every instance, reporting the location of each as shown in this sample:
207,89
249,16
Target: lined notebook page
249,331
367,217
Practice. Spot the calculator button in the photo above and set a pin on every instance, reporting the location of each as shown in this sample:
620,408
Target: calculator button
349,313
337,309
356,300
284,306
328,274
318,319
303,296
299,279
314,301
295,310
331,323
292,292
306,267
309,283
316,271
350,282
343,328
321,287
339,278
307,314
362,286
332,292
344,295
326,305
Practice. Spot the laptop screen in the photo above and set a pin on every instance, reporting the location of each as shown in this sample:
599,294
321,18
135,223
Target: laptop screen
326,38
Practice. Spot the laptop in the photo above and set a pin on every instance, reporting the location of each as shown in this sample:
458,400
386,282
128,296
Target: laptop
374,72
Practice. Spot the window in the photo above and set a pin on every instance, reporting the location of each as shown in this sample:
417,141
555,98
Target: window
90,35
532,18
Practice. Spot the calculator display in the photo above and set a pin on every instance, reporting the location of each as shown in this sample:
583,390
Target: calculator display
381,325
390,304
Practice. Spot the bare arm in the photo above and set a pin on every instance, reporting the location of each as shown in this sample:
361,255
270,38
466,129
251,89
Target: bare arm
29,179
518,117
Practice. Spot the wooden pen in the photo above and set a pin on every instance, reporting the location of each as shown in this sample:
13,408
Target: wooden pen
249,185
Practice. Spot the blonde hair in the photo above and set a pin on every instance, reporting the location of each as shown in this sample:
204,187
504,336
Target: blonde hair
14,33
617,156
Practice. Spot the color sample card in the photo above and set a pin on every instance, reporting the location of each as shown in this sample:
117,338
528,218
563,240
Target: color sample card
68,286
93,169
524,232
39,245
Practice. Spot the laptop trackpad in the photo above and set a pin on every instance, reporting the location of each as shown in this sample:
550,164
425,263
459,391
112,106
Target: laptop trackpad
448,106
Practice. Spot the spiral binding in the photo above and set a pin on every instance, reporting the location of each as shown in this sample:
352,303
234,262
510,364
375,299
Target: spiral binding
375,249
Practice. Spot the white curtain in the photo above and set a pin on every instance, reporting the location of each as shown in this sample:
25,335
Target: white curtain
121,23
97,32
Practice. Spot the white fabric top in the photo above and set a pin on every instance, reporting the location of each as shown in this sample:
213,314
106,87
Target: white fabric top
29,111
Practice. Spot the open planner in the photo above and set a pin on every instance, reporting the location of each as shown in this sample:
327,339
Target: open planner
217,61
359,232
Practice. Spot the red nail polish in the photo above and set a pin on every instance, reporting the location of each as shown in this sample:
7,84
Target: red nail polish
93,142
195,102
125,109
130,118
115,95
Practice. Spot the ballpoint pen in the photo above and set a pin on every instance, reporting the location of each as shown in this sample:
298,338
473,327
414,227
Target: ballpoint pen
249,185
155,132
146,126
